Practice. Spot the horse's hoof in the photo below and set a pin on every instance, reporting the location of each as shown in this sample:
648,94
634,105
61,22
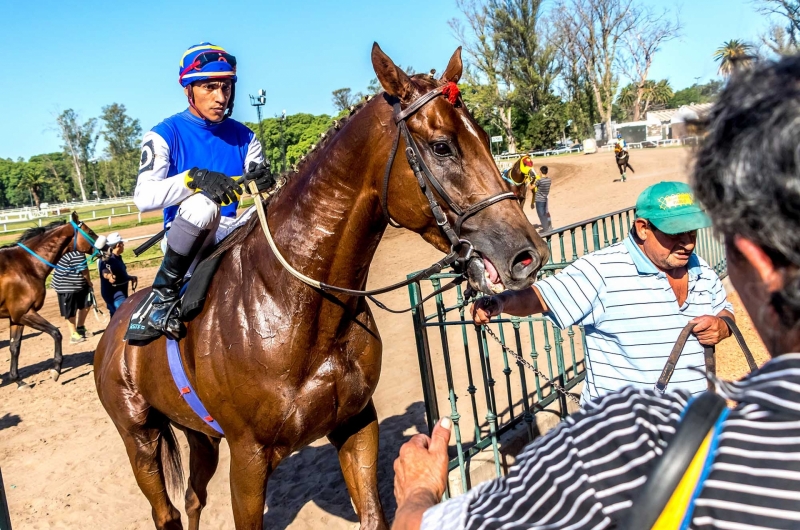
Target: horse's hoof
54,374
22,385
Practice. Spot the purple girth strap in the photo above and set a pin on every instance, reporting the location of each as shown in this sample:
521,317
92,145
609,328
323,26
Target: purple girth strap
185,387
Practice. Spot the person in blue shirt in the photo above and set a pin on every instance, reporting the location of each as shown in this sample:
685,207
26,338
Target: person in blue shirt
193,166
114,277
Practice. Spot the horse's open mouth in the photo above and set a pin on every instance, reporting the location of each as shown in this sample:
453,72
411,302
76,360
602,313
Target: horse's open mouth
483,276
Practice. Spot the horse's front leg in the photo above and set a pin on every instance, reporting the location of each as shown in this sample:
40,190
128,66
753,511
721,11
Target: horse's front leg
357,443
251,466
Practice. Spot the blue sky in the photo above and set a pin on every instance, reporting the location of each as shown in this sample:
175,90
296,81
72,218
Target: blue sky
84,55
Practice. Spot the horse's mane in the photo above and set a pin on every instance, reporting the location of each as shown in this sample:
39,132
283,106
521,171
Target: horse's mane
30,233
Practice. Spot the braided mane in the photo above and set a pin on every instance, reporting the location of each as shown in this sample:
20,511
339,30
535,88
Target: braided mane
240,233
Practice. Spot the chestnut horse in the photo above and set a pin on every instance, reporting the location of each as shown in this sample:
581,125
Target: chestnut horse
279,364
22,281
519,182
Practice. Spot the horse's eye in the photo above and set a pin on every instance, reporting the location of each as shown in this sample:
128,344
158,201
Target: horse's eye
442,149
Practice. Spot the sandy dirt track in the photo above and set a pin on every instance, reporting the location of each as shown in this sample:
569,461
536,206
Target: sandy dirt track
64,465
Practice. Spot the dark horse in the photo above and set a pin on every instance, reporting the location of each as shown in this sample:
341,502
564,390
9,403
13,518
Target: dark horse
622,158
519,182
22,278
279,364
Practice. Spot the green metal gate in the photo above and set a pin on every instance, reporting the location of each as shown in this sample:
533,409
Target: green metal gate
489,395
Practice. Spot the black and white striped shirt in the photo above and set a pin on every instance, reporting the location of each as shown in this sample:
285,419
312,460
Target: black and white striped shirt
68,277
587,472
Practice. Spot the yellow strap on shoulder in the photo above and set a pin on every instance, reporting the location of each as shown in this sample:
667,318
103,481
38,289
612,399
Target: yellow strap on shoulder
675,510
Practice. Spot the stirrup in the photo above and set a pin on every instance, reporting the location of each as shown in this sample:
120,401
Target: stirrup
142,328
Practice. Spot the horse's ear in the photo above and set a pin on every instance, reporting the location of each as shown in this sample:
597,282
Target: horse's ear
75,216
393,79
454,68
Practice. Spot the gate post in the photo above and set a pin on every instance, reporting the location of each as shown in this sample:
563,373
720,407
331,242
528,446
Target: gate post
424,353
5,516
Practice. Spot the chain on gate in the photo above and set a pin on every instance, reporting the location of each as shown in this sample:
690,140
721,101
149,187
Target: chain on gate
560,389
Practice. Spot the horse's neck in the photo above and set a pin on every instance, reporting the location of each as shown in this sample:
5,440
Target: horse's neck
51,247
328,221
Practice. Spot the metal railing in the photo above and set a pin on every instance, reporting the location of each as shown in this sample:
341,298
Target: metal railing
489,394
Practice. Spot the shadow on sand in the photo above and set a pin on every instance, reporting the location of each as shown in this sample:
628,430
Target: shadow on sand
69,363
9,420
288,492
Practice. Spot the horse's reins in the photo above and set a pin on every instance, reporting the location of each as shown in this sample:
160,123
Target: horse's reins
426,181
76,229
708,355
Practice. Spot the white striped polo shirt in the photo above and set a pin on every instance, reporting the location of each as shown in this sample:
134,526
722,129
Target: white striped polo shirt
631,317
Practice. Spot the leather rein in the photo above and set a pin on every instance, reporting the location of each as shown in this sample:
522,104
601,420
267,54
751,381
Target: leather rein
426,180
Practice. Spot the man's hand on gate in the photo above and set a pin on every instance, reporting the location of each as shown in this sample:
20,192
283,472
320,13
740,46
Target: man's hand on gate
421,475
261,174
710,330
219,187
485,308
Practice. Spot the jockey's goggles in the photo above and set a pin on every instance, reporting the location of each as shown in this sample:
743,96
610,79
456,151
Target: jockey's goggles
210,56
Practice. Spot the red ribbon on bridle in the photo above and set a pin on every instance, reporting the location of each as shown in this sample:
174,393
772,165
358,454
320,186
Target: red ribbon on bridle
451,92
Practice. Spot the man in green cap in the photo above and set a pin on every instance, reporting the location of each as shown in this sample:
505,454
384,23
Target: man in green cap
634,298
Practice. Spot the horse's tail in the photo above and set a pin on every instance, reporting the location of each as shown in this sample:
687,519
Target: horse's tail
630,167
170,455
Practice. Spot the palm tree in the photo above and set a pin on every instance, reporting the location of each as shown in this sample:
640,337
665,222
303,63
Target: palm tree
733,55
656,93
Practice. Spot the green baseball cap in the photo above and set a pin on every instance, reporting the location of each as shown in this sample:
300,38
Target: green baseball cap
670,207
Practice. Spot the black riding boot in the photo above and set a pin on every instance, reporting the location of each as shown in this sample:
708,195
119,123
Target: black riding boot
157,314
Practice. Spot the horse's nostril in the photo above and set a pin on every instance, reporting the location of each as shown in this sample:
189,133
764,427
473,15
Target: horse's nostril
523,264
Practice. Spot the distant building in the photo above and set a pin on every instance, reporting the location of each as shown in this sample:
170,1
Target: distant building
658,125
673,121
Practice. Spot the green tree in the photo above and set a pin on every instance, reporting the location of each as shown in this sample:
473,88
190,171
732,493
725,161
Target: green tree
783,35
80,141
732,55
31,177
593,31
343,98
300,132
122,134
705,93
59,185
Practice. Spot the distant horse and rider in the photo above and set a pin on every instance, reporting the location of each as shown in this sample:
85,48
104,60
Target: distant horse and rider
24,267
278,363
520,175
622,157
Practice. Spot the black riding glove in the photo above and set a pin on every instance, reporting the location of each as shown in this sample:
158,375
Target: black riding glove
261,174
219,187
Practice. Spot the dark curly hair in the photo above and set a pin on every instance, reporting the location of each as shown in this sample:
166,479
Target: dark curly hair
747,171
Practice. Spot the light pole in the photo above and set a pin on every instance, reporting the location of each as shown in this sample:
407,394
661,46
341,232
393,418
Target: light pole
283,143
258,102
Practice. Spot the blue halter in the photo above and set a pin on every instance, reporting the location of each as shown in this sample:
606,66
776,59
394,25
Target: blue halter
77,230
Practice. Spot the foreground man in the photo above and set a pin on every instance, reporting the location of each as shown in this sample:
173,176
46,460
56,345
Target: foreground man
589,470
634,298
198,150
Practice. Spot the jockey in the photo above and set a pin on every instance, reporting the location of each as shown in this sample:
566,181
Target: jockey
620,147
193,166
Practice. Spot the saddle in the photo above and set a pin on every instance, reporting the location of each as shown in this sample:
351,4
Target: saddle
194,291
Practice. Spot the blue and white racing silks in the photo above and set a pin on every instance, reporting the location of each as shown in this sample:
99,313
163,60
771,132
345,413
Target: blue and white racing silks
184,141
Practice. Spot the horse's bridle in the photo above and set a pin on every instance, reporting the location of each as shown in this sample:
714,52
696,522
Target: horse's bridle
427,180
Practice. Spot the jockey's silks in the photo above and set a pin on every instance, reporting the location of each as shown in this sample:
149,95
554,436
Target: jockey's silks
184,141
